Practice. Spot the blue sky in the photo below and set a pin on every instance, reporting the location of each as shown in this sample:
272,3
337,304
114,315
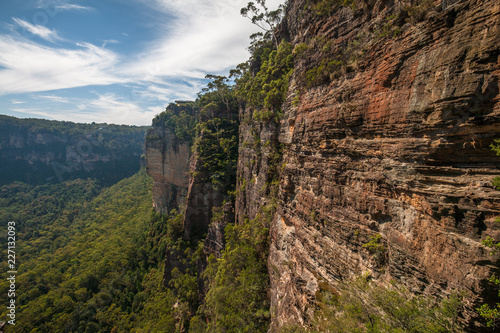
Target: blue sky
114,61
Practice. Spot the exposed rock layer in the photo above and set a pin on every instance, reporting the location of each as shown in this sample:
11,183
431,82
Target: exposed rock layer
167,162
394,142
399,147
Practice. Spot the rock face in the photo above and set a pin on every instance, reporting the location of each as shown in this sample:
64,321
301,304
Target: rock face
167,162
202,196
395,145
385,139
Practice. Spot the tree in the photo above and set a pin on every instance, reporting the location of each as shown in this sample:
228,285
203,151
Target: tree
264,18
221,88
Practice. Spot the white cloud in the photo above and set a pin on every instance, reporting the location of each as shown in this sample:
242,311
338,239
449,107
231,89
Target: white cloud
67,6
168,92
34,112
109,41
202,37
30,67
113,109
53,6
38,30
206,37
109,108
53,98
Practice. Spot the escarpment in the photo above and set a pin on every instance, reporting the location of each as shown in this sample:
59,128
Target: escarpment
389,144
38,151
378,162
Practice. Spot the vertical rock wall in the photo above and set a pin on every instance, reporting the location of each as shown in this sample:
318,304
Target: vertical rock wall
202,196
396,145
167,162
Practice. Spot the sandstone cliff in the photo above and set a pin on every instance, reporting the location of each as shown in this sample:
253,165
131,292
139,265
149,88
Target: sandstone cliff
167,162
395,141
384,139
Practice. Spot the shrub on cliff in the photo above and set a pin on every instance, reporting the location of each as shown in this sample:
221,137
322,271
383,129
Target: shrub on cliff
362,306
491,313
267,88
237,299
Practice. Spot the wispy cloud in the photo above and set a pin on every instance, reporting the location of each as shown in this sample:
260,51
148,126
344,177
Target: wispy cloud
205,37
114,109
54,98
30,67
109,41
67,6
199,37
53,6
32,111
38,30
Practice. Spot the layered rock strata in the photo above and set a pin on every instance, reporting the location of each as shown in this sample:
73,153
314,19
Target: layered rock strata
167,162
396,145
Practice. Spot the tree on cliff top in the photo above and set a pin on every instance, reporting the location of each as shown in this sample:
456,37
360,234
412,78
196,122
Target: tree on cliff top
264,18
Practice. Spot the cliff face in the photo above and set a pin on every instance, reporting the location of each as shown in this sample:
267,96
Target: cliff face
380,162
167,162
395,144
202,196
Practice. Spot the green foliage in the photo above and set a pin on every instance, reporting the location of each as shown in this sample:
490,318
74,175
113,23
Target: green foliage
237,299
492,313
217,149
362,306
266,19
38,151
377,249
495,146
327,7
95,263
216,144
323,73
388,28
325,59
83,266
332,64
267,88
490,242
180,117
418,10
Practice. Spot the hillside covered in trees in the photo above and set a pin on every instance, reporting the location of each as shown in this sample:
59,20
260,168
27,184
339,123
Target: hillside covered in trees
37,151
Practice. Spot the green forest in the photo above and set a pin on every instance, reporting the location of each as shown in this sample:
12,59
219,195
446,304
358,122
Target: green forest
37,151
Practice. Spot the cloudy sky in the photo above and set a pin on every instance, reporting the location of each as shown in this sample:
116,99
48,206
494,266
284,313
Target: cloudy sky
114,61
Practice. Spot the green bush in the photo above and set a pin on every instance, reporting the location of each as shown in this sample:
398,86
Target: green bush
268,87
363,306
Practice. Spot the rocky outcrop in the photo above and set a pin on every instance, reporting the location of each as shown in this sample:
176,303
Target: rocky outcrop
167,162
256,165
395,145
